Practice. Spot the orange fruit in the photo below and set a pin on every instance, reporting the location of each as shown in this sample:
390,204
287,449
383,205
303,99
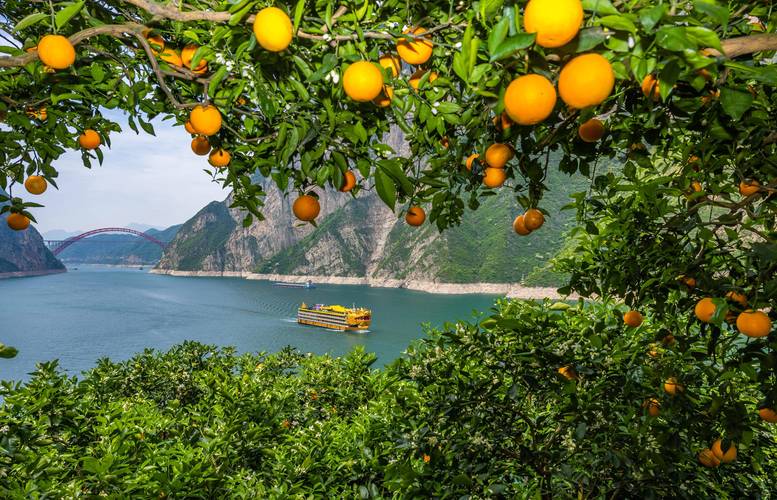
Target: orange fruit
749,187
668,340
585,81
591,131
737,297
533,219
445,142
705,309
201,145
529,99
754,324
39,114
633,319
556,22
503,121
363,81
568,372
415,80
219,158
386,96
18,222
56,51
708,459
494,177
520,227
35,184
690,282
189,127
171,57
205,120
696,187
729,456
89,139
653,407
156,42
470,159
650,87
187,55
416,51
392,62
415,216
768,415
349,182
273,29
497,155
306,208
673,388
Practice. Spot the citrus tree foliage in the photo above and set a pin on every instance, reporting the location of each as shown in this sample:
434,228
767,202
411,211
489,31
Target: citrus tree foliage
474,410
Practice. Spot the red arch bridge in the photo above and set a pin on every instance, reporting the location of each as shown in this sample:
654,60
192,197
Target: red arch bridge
58,246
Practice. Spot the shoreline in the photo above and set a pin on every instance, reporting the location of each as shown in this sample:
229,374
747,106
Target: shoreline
30,274
509,290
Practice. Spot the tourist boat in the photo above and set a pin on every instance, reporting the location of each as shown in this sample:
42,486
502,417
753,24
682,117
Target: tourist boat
285,284
335,317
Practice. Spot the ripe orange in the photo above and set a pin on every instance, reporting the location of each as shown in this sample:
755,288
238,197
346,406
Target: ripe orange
768,415
219,158
415,80
729,456
35,184
754,324
503,121
568,372
696,187
201,145
556,22
520,227
363,81
206,120
633,319
497,155
306,208
349,182
708,459
39,114
650,87
89,139
672,387
416,51
653,407
585,81
189,127
171,57
392,62
273,29
156,42
591,131
18,222
470,159
749,187
386,96
737,297
415,216
705,309
530,99
494,177
533,219
689,281
187,55
56,51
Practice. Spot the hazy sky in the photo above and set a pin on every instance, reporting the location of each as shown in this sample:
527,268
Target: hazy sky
154,180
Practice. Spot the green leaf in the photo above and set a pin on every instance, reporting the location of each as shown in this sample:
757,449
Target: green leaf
30,20
704,37
66,14
650,16
386,188
498,34
298,10
513,44
600,6
216,79
620,23
735,102
674,38
717,12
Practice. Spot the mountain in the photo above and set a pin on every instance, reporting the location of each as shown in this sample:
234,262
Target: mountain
363,238
118,249
23,253
59,234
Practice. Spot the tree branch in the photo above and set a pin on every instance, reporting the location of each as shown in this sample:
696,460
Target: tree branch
740,46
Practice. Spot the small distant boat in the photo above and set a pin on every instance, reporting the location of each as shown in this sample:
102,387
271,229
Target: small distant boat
335,317
285,284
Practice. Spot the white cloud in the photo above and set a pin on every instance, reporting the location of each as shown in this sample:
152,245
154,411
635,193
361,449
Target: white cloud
154,180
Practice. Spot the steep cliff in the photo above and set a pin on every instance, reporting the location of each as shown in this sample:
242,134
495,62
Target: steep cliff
23,253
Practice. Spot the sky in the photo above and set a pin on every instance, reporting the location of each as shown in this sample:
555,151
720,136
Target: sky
144,179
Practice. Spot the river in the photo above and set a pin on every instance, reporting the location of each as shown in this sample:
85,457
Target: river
94,312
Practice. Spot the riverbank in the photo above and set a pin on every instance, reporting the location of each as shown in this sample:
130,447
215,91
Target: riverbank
510,290
29,274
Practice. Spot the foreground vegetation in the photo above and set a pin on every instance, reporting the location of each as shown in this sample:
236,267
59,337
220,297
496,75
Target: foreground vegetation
473,409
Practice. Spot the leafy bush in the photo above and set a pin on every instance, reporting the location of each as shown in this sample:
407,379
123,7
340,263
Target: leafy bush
475,410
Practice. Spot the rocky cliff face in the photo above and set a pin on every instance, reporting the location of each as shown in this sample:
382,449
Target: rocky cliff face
23,253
